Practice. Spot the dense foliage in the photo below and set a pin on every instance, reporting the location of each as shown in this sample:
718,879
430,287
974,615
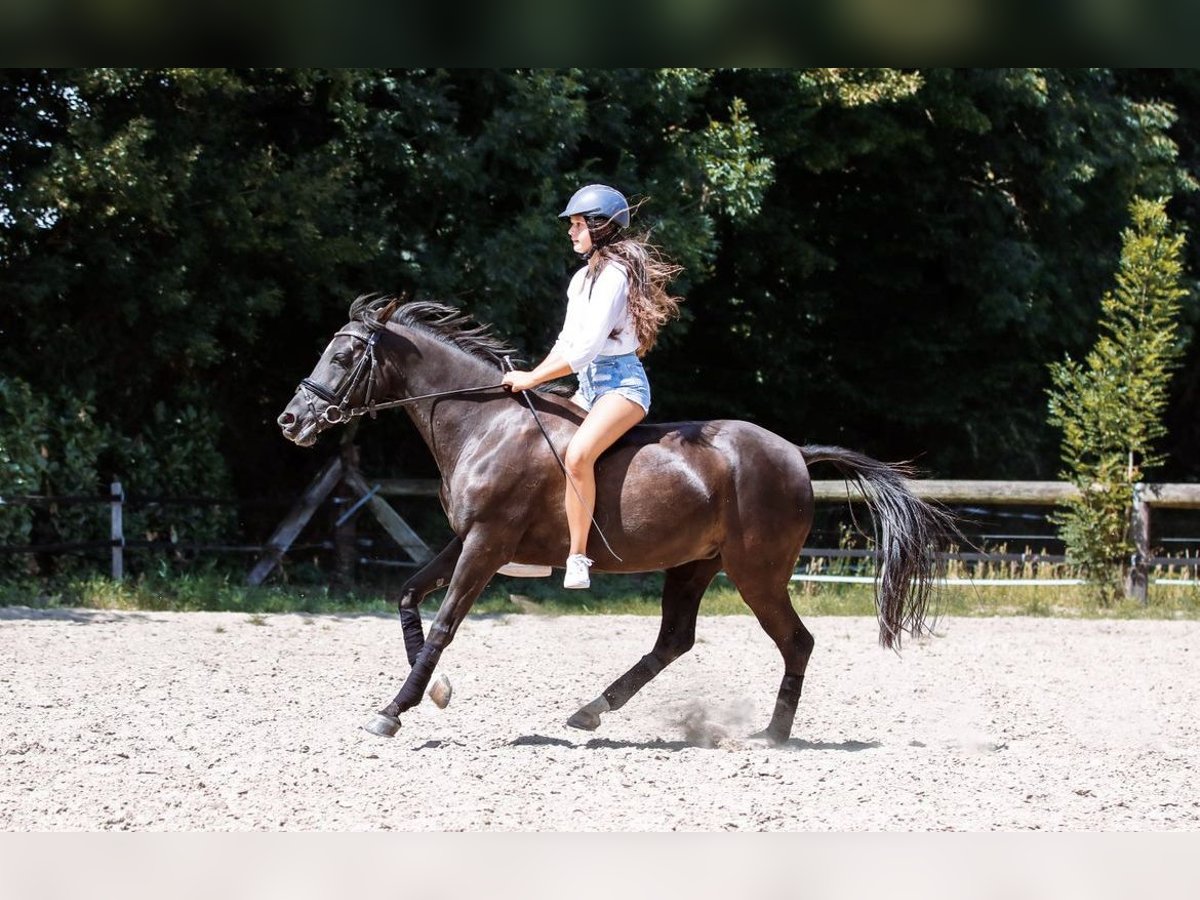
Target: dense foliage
878,258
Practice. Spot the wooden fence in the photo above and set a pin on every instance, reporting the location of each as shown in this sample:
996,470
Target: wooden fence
118,542
1052,493
342,478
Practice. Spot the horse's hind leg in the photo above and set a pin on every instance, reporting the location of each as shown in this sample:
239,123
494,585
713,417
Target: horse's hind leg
772,606
684,587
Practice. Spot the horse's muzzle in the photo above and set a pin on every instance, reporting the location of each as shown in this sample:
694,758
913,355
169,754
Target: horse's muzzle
295,430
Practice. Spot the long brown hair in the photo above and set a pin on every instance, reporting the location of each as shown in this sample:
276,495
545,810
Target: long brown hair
648,274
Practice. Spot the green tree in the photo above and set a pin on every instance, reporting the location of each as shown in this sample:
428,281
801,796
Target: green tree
1110,406
164,236
882,258
918,259
178,244
1181,89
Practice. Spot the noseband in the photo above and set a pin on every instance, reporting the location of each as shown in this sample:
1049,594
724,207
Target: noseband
338,402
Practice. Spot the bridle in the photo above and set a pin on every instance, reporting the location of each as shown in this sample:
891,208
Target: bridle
338,407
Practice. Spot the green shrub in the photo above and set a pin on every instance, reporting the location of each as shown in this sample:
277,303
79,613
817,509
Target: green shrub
175,455
58,446
22,461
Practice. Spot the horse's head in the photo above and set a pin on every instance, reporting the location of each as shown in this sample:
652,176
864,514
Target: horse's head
344,377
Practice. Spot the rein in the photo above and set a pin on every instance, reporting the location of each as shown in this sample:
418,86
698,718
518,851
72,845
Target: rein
371,408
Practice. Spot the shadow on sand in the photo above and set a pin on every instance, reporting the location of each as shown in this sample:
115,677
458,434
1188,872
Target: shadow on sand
79,616
541,740
847,746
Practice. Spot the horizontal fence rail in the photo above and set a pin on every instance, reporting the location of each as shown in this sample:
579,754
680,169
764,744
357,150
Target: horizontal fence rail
117,501
1031,493
948,492
1016,493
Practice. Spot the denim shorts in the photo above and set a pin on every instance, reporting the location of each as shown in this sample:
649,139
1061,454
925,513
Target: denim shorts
622,375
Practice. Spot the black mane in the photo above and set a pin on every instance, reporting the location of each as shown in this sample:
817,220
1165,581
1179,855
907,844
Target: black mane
447,323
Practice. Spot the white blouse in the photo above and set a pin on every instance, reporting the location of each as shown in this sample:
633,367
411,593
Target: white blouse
598,322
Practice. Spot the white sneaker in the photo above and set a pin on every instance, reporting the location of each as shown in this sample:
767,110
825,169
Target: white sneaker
577,572
524,570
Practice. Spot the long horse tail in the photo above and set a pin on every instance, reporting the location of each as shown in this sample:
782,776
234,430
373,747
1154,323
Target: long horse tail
907,532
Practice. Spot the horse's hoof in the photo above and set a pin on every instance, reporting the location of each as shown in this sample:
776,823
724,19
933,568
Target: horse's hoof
383,726
584,720
441,692
767,737
588,716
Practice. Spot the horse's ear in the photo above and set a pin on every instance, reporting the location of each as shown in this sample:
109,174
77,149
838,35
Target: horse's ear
387,311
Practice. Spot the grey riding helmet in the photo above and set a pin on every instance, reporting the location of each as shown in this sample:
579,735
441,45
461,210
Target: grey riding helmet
598,200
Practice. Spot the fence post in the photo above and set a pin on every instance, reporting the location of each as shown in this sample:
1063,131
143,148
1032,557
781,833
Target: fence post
345,534
117,497
1137,582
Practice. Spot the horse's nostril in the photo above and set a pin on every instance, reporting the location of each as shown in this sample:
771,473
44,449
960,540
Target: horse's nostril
286,419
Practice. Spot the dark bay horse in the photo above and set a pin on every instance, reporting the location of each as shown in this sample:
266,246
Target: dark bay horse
690,498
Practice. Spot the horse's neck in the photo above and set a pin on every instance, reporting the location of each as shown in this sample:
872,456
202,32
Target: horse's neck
431,366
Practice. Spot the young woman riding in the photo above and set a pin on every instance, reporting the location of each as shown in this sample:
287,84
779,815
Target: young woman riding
616,304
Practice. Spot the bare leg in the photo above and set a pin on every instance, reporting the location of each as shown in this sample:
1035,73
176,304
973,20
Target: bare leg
684,587
611,416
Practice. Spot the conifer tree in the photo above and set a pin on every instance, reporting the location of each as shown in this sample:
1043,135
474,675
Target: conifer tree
1110,406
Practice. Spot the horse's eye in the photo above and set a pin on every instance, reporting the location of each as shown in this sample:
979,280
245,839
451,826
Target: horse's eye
342,359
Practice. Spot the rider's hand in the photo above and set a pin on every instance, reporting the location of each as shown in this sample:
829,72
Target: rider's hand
519,381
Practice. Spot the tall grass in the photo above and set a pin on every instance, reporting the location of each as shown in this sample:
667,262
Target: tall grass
208,592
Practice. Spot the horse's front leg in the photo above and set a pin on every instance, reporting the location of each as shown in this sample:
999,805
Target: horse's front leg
479,558
433,575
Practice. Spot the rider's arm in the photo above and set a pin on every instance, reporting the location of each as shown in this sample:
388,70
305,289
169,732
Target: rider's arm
553,366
